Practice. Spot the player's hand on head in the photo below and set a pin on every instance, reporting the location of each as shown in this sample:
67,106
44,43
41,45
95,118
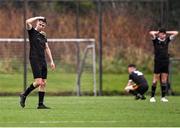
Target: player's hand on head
41,17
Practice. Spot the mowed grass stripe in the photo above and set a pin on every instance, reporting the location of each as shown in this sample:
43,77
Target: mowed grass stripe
90,111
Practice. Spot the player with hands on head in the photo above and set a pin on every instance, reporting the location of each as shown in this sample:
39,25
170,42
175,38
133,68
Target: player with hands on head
161,40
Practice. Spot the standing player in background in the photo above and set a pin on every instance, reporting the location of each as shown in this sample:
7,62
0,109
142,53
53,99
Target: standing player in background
137,84
38,47
161,41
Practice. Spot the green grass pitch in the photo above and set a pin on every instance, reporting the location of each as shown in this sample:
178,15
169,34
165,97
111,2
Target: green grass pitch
90,112
65,82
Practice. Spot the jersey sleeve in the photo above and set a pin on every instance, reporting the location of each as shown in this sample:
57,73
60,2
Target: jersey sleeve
30,30
130,77
171,37
46,40
154,40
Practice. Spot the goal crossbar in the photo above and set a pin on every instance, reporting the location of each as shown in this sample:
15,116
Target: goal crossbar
50,40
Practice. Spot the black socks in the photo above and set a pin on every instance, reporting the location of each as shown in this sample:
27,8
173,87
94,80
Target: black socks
163,89
153,89
29,90
41,98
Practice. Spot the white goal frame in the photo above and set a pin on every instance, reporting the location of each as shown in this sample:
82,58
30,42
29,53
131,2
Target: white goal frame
91,45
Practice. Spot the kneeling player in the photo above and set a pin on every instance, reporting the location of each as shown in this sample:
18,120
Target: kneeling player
137,84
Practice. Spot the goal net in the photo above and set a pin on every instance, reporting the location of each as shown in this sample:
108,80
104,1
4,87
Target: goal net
75,61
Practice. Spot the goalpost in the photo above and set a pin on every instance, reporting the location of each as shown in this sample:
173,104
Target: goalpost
174,74
88,47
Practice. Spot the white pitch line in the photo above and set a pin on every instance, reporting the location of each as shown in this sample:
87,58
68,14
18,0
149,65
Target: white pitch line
78,121
57,122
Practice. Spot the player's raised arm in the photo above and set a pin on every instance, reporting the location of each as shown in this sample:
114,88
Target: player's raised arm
172,34
48,51
153,34
31,20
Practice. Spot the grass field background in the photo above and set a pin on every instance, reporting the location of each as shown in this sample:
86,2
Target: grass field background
90,112
59,82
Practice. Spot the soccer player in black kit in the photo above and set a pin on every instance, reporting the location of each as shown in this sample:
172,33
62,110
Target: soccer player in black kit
161,40
137,84
38,47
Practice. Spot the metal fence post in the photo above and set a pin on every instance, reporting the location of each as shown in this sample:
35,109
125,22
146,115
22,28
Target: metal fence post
25,47
100,45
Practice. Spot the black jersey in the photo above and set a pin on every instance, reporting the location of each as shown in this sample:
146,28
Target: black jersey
138,78
37,45
161,48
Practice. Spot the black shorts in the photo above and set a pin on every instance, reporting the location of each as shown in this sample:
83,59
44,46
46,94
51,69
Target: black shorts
39,69
142,89
161,66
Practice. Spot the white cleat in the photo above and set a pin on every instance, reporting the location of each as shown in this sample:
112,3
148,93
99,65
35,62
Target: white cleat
152,99
163,99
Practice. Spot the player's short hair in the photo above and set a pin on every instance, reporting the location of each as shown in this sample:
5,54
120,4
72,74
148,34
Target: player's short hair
162,30
43,20
131,66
